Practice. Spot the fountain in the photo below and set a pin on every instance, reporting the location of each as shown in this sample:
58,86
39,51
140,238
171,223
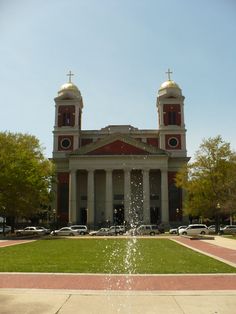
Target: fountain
127,248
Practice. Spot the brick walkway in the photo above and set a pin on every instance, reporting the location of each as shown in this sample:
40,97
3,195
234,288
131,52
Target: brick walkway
119,282
222,253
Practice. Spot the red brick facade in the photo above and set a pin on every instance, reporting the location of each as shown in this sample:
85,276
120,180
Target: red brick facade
118,148
62,196
152,141
172,114
85,141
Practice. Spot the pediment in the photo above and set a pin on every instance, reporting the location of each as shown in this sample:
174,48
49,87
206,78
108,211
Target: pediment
118,147
118,144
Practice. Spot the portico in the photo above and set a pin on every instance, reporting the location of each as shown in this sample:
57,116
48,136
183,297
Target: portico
128,190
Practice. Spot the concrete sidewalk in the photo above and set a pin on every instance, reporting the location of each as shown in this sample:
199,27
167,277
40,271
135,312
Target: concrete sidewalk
109,302
223,242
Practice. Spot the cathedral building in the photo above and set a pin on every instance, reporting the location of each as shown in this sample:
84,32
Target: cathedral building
118,174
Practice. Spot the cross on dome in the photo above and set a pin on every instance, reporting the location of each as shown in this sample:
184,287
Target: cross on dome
70,74
169,72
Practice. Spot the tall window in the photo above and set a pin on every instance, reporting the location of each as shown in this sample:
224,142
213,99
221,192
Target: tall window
66,118
172,118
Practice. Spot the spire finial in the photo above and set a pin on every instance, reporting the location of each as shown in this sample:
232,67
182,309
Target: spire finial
169,72
70,74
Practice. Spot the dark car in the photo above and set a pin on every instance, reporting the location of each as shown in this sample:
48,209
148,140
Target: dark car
7,229
229,229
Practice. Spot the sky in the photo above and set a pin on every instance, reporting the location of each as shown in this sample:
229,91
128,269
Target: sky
119,51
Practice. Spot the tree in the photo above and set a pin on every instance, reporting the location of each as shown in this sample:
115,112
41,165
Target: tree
210,180
25,175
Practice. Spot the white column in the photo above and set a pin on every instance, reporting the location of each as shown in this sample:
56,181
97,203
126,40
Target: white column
182,115
76,135
90,196
56,115
164,196
159,106
55,143
76,116
146,196
127,193
109,196
76,142
161,115
72,197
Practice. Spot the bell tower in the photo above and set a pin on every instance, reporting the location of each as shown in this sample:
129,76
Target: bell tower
68,113
170,106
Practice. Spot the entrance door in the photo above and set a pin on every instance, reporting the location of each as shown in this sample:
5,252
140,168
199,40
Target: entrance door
154,215
118,214
83,216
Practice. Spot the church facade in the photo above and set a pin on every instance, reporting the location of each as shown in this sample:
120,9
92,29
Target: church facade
118,174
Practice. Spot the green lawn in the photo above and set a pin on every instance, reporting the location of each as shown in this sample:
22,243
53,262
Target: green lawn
143,256
230,236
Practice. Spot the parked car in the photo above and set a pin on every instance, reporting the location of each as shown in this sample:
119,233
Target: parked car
147,230
161,228
30,231
229,229
212,229
47,231
176,230
7,229
114,230
65,231
194,229
81,229
100,232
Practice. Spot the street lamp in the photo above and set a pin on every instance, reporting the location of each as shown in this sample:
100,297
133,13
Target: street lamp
86,216
3,220
217,217
54,217
177,213
115,213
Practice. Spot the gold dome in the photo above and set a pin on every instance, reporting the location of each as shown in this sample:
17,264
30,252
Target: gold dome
69,86
69,89
169,84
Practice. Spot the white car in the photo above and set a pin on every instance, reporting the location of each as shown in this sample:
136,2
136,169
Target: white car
212,229
65,231
195,229
100,232
114,230
30,231
148,230
176,230
81,229
47,231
